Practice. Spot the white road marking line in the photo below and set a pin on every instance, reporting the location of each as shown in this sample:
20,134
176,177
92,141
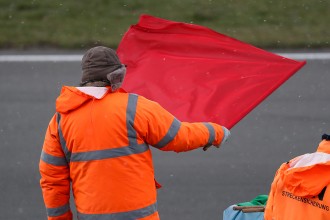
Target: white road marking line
40,58
306,56
77,58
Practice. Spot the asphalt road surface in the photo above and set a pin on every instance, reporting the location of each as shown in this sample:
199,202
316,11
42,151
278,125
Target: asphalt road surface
197,185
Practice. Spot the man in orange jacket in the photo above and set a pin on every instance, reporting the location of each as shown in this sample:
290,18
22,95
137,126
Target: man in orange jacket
98,140
300,187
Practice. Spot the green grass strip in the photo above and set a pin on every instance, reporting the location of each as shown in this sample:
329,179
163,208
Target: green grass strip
81,24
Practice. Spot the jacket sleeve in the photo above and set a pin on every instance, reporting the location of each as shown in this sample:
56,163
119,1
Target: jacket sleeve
55,177
270,209
162,130
269,205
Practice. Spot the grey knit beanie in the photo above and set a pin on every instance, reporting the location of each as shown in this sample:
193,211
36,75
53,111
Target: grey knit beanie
97,62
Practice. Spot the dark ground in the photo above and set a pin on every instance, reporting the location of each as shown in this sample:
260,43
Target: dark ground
196,185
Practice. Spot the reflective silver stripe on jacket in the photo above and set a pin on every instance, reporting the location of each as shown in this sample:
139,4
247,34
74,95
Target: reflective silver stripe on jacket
130,116
211,132
109,153
171,133
58,211
54,160
129,215
65,149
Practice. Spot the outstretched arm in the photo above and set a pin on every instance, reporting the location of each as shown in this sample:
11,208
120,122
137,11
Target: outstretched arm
162,130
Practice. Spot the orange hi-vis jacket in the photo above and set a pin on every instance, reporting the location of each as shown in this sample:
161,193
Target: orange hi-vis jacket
301,188
99,141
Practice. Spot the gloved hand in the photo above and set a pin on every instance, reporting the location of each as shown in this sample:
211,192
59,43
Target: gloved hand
226,136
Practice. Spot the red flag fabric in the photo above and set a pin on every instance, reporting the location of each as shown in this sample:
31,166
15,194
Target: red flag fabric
197,74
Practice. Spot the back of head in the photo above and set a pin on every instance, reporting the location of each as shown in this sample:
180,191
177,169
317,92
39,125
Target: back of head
324,146
101,66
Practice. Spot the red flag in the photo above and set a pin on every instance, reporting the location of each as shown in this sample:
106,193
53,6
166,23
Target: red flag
198,74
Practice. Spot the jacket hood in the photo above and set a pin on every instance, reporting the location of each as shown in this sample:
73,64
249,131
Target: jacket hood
308,174
72,98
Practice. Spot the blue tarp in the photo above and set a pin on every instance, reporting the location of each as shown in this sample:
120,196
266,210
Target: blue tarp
231,214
